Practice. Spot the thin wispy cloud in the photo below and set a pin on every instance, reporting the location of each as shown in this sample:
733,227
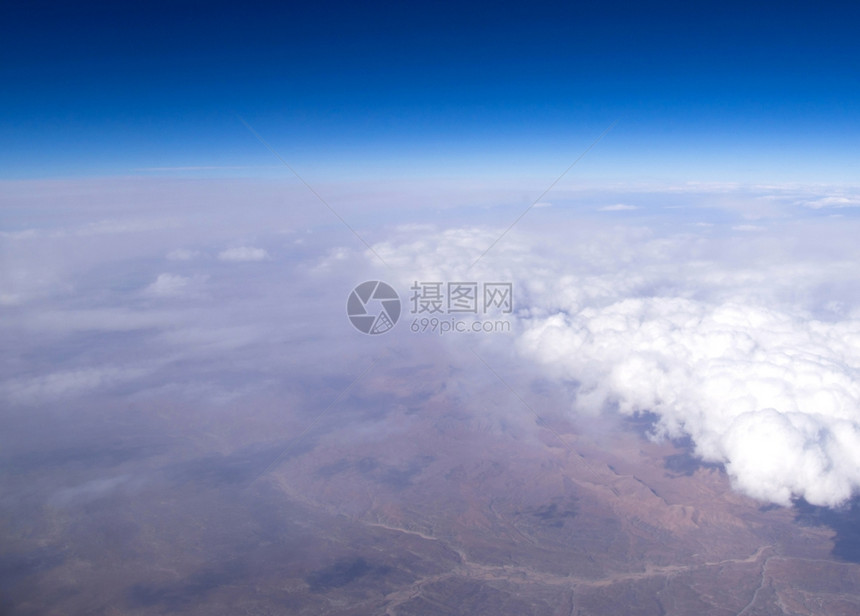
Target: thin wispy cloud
168,285
241,254
182,254
618,207
834,201
101,227
201,168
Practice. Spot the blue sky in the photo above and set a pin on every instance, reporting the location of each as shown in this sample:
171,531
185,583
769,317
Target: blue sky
709,91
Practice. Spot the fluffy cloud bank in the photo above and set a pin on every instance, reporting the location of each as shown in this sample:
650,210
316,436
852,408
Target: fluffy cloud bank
724,339
773,397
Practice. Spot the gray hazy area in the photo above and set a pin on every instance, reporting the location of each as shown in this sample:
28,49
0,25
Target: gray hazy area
191,425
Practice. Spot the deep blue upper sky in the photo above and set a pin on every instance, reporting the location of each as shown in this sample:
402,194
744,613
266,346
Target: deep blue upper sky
703,90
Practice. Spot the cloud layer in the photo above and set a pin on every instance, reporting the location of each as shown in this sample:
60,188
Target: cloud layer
749,344
243,253
773,396
733,316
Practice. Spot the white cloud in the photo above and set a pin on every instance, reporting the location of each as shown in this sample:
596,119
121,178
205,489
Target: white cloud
618,207
167,285
832,201
772,395
243,253
335,258
100,227
714,335
66,383
90,491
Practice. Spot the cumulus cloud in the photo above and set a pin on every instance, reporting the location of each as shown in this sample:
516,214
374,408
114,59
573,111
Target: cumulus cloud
771,395
716,338
243,253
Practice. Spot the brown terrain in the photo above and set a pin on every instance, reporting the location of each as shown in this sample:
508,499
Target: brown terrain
445,497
